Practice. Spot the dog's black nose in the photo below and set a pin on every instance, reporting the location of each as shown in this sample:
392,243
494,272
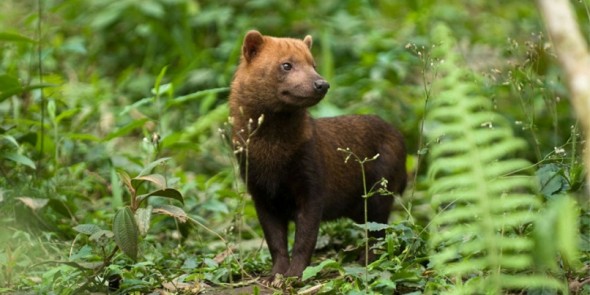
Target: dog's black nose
321,86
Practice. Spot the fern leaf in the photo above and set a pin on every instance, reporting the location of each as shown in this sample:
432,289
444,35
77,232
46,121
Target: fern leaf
479,188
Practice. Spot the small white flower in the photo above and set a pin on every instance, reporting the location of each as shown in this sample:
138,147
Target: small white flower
559,151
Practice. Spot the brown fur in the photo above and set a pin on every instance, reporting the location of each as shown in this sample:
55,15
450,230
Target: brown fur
290,161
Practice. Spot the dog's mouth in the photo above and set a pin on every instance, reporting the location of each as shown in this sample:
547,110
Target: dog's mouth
301,100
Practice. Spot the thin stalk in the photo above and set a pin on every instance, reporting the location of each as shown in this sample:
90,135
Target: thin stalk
40,70
574,143
427,88
365,197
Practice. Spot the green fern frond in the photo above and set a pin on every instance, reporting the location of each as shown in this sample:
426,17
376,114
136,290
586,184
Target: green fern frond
481,198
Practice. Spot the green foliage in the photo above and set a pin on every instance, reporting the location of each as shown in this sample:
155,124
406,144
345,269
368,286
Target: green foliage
94,92
481,190
126,232
312,271
559,224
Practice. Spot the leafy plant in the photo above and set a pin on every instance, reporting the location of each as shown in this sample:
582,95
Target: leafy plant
480,236
129,224
82,82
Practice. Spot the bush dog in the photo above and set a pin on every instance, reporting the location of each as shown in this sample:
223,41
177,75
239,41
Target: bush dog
290,161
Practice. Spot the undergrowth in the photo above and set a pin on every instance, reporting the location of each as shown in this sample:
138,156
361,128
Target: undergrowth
482,234
95,95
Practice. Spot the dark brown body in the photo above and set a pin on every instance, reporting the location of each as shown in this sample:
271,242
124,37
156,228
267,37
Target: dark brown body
291,162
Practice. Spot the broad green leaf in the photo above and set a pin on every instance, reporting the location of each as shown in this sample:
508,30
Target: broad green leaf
126,232
355,271
149,167
116,189
136,104
79,265
101,233
405,275
143,217
20,159
126,129
81,254
156,90
87,229
373,226
9,86
196,95
544,252
10,139
312,271
156,179
165,193
172,211
33,203
82,136
8,82
215,205
567,229
167,88
66,114
551,180
13,37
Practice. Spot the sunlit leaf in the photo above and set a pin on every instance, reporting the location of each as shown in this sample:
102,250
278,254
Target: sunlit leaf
157,90
66,114
312,271
101,233
20,159
78,265
82,136
116,188
567,230
51,109
143,101
143,217
156,179
172,211
196,95
33,203
126,179
10,139
126,232
373,226
87,229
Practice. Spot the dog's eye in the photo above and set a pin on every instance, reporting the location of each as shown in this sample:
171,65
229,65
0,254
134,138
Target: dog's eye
287,66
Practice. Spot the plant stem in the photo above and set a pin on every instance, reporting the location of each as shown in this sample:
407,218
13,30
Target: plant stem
366,216
40,68
419,155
